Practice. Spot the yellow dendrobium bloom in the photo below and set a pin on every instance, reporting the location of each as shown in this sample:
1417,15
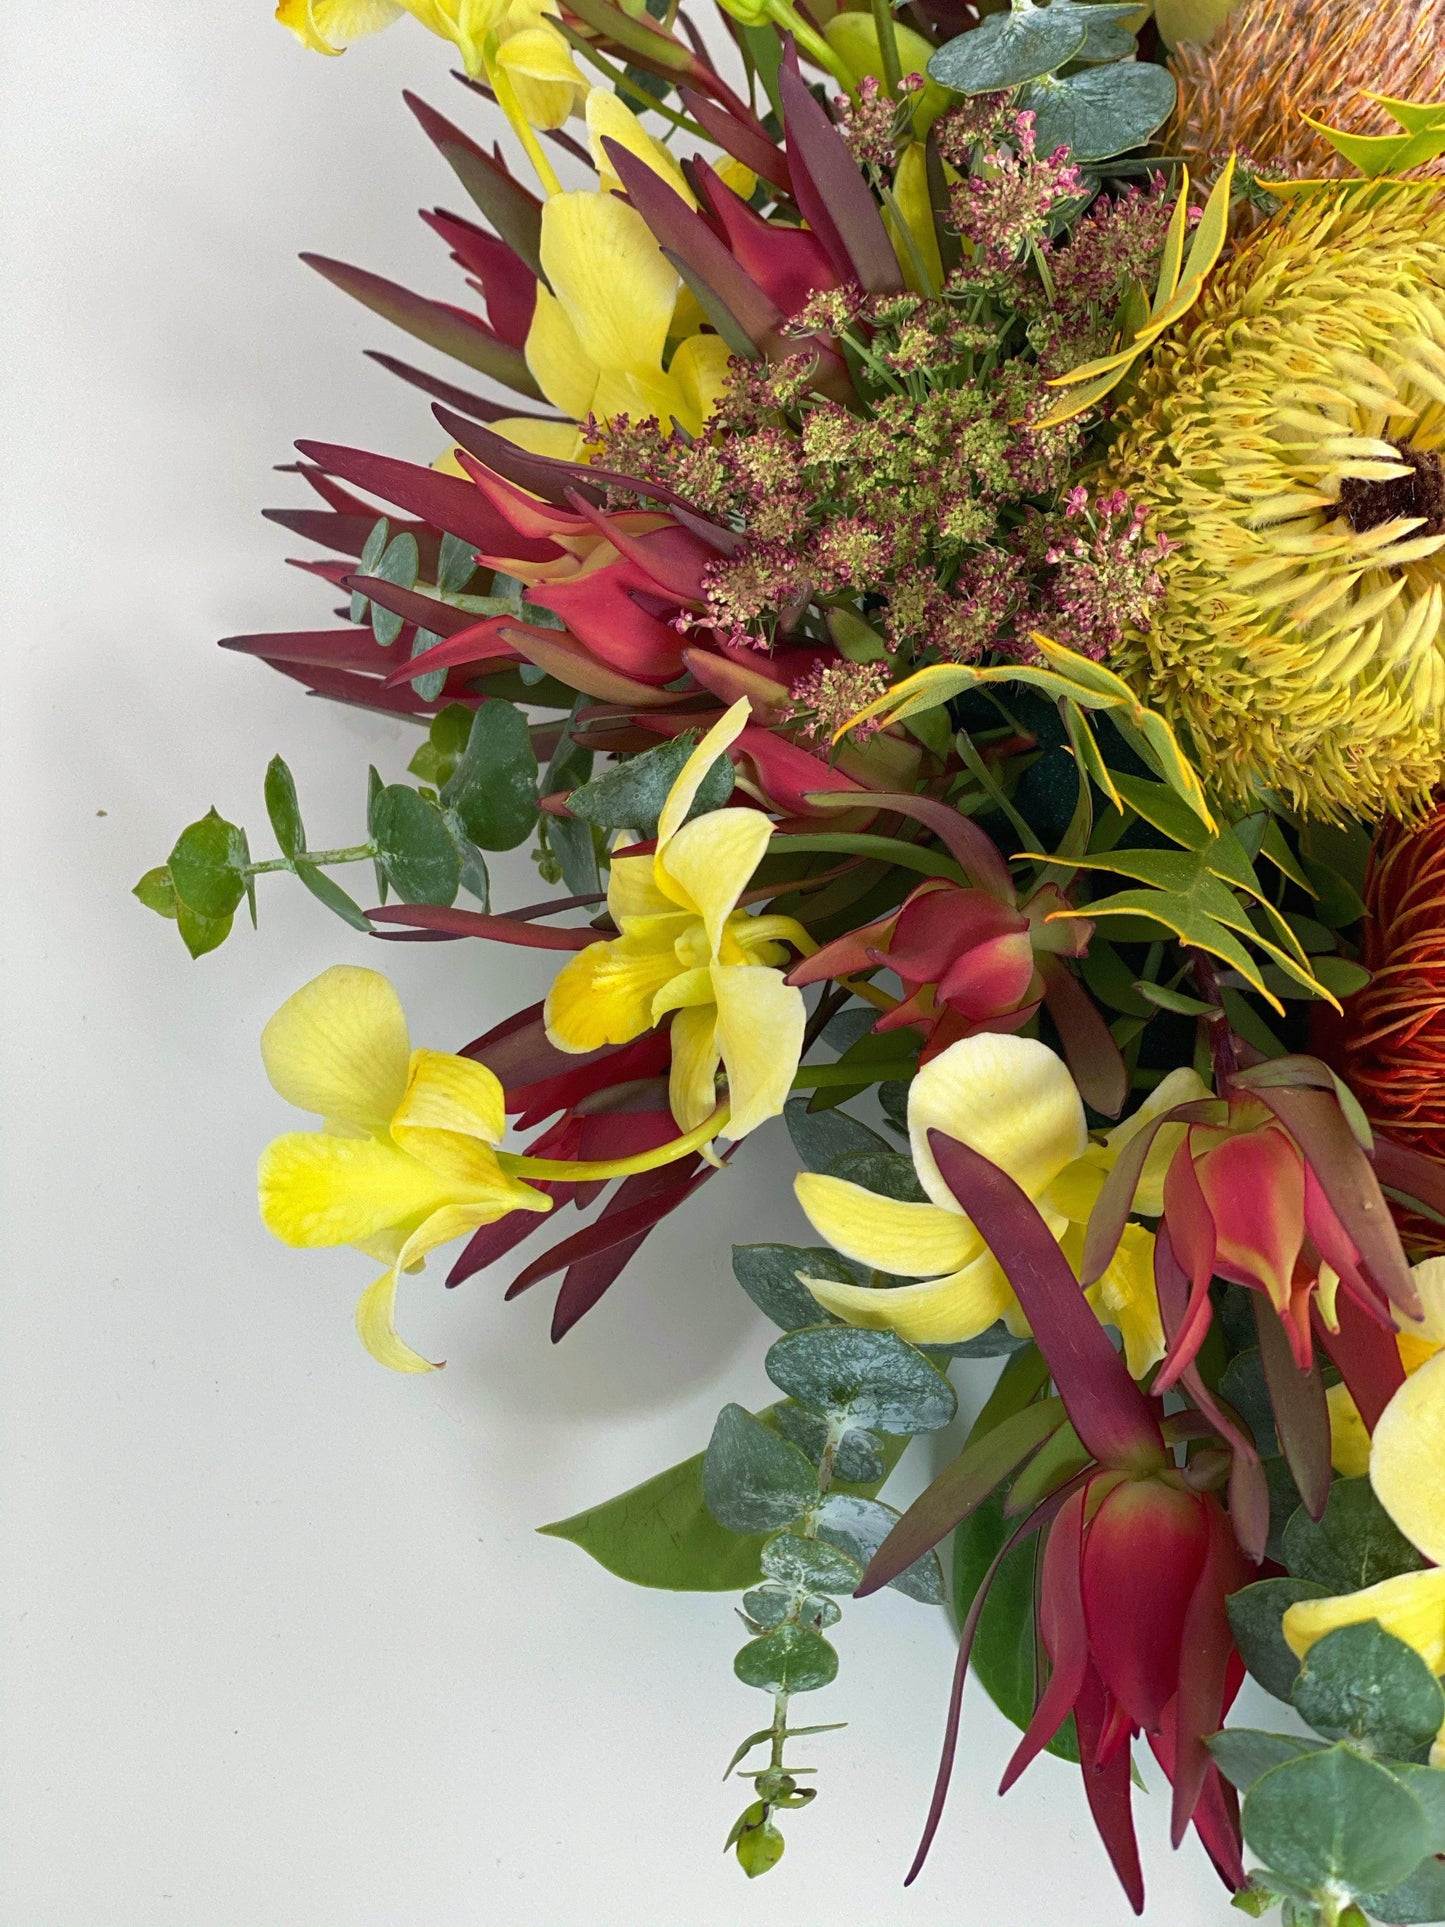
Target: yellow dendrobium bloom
1407,1470
406,1160
1419,1339
1012,1099
685,947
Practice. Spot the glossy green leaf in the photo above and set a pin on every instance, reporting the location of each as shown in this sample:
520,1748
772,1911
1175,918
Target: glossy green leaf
207,868
473,863
1103,111
1256,1614
860,1457
329,892
443,749
375,790
456,564
1335,1819
758,1844
661,1534
414,846
493,788
1361,1683
1355,1544
769,1276
790,1660
283,808
753,1480
809,1565
571,839
872,1379
157,892
630,795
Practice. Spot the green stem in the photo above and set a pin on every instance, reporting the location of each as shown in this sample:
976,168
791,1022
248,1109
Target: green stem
819,1077
904,856
356,853
887,45
786,15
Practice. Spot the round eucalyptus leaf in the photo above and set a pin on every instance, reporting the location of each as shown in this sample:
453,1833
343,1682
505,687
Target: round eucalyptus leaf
1361,1683
1007,49
1255,1616
1107,40
768,1606
399,564
1336,1819
206,867
753,1481
1355,1544
859,1459
414,846
1419,1898
1103,111
871,1378
792,1660
769,1275
493,788
859,1527
809,1565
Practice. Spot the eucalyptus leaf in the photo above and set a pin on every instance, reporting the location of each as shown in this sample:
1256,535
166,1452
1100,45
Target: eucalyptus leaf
326,891
768,1606
1361,1683
207,868
1256,1614
399,564
997,1342
570,838
456,565
414,846
820,1138
199,933
1243,1386
753,1480
1421,1897
444,746
1102,111
1335,1819
493,788
859,1527
157,892
1006,49
1427,1783
809,1565
1355,1544
769,1276
375,790
889,1174
283,809
859,1458
473,863
430,684
371,553
790,1660
872,1379
1244,1755
630,795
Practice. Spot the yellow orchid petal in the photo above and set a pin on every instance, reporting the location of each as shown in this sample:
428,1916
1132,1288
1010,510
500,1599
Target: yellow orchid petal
944,1311
326,26
1407,1462
1009,1098
563,441
683,794
700,369
561,368
1349,1441
609,275
631,892
1182,1086
692,1084
1411,1606
447,1093
339,1047
318,1190
760,1024
1075,1191
604,995
376,1328
546,81
688,990
1429,1279
1125,1298
910,1240
609,118
710,862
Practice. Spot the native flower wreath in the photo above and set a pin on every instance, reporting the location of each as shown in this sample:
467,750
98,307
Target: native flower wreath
960,610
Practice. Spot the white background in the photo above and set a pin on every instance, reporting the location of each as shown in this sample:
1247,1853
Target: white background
281,1649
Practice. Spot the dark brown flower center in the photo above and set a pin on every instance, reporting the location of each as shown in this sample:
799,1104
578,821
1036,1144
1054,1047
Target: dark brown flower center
1421,493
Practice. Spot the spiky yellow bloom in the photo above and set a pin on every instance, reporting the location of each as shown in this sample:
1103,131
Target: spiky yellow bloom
1290,447
1274,61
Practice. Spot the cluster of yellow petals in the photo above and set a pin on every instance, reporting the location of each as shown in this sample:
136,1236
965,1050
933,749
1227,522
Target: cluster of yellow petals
686,948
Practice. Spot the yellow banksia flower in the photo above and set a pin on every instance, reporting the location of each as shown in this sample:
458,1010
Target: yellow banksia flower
406,1160
1291,446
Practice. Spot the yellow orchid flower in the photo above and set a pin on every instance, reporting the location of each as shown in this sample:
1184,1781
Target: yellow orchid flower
1012,1099
1419,1339
1406,1465
326,26
686,948
407,1158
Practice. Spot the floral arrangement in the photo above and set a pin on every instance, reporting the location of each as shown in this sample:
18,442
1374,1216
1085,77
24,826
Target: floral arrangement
958,605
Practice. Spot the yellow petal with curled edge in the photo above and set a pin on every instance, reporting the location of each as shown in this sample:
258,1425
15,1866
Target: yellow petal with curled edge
447,1093
604,995
692,1084
944,1311
631,892
688,781
1429,1280
339,1047
1009,1098
760,1024
1349,1440
326,26
1181,1086
1411,1606
560,366
710,862
1125,1297
609,275
545,79
317,1190
611,119
376,1308
1407,1460
700,370
910,1240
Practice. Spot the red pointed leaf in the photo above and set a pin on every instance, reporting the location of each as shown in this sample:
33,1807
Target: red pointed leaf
1204,1660
832,194
461,399
1061,1617
975,852
739,139
515,213
475,923
1107,1789
1095,1061
1116,1200
446,501
1301,1414
1367,1355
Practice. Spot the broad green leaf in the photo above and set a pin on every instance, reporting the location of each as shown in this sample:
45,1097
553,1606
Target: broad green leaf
871,1379
769,1276
571,838
1244,1755
375,790
1255,1617
430,684
1103,111
415,847
1427,1783
820,1138
399,564
493,788
326,891
769,1605
630,795
446,741
283,809
473,863
156,891
1335,1819
809,1565
790,1660
759,1845
1361,1683
1355,1544
661,1534
753,1480
207,868
859,1527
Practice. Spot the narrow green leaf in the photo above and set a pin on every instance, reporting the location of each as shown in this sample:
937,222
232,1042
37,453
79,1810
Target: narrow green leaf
333,896
283,809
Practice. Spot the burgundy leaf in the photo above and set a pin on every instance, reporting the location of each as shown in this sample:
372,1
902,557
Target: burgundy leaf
832,194
364,692
493,1241
739,139
503,279
444,391
1203,1663
1061,1608
1367,1355
1116,1200
442,618
515,213
1094,1059
446,501
353,648
1107,1789
1419,1178
476,923
639,1203
1301,1413
974,851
